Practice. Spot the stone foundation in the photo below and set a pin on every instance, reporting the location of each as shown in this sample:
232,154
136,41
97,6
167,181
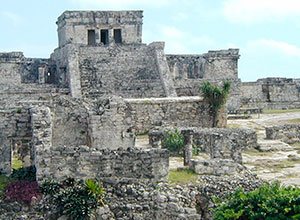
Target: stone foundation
288,133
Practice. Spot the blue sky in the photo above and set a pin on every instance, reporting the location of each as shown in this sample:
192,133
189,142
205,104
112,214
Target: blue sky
267,32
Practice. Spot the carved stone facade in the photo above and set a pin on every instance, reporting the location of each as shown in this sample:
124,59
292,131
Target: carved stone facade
100,88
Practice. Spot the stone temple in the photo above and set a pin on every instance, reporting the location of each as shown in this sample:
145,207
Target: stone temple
100,88
77,113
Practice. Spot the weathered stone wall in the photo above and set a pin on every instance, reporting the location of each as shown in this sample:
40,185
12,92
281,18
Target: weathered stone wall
15,135
225,143
10,67
84,162
16,69
288,133
218,143
73,26
41,140
165,112
70,120
127,71
110,125
271,93
189,71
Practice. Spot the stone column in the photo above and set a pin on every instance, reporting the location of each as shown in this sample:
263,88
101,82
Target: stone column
41,140
188,146
42,72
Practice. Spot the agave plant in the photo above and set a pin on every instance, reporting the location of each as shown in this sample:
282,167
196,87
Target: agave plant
216,97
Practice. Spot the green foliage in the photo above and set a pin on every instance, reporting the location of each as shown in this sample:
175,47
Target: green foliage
25,173
74,198
4,181
182,176
173,141
269,202
16,163
216,96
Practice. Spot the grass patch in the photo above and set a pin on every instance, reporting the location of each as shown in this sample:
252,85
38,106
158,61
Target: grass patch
233,125
16,163
294,121
279,111
273,166
254,152
182,176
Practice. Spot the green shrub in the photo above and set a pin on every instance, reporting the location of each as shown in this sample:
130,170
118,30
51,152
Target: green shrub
268,202
173,141
4,181
74,198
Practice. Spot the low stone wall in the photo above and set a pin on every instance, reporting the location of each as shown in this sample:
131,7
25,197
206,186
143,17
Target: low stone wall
107,165
288,133
217,167
225,143
219,143
174,112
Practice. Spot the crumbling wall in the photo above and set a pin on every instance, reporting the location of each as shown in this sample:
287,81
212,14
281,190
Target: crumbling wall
16,69
69,122
84,162
15,136
110,125
189,71
224,143
288,133
165,112
10,68
127,71
271,93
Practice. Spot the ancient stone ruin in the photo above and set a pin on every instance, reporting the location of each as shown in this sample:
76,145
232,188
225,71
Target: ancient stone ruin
77,113
100,88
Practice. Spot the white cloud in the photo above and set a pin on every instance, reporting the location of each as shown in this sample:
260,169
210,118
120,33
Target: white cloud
119,4
180,16
12,18
280,46
251,11
179,41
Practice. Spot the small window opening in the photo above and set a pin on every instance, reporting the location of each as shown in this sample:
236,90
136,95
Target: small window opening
104,36
117,36
91,37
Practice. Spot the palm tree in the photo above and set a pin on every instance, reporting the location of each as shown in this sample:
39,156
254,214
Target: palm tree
216,97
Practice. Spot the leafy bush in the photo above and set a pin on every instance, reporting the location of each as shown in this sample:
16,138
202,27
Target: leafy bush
4,181
216,97
173,141
25,173
270,202
22,191
76,199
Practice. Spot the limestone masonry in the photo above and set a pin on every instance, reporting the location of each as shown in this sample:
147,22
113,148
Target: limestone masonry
77,113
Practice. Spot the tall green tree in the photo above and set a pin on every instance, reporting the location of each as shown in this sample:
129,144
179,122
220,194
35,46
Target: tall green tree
216,96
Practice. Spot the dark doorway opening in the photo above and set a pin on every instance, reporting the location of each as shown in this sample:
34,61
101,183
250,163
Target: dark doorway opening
91,37
117,36
104,36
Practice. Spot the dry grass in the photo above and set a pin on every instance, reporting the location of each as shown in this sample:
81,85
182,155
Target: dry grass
182,176
278,111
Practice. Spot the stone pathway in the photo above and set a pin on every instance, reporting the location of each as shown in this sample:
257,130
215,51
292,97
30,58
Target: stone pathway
276,160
